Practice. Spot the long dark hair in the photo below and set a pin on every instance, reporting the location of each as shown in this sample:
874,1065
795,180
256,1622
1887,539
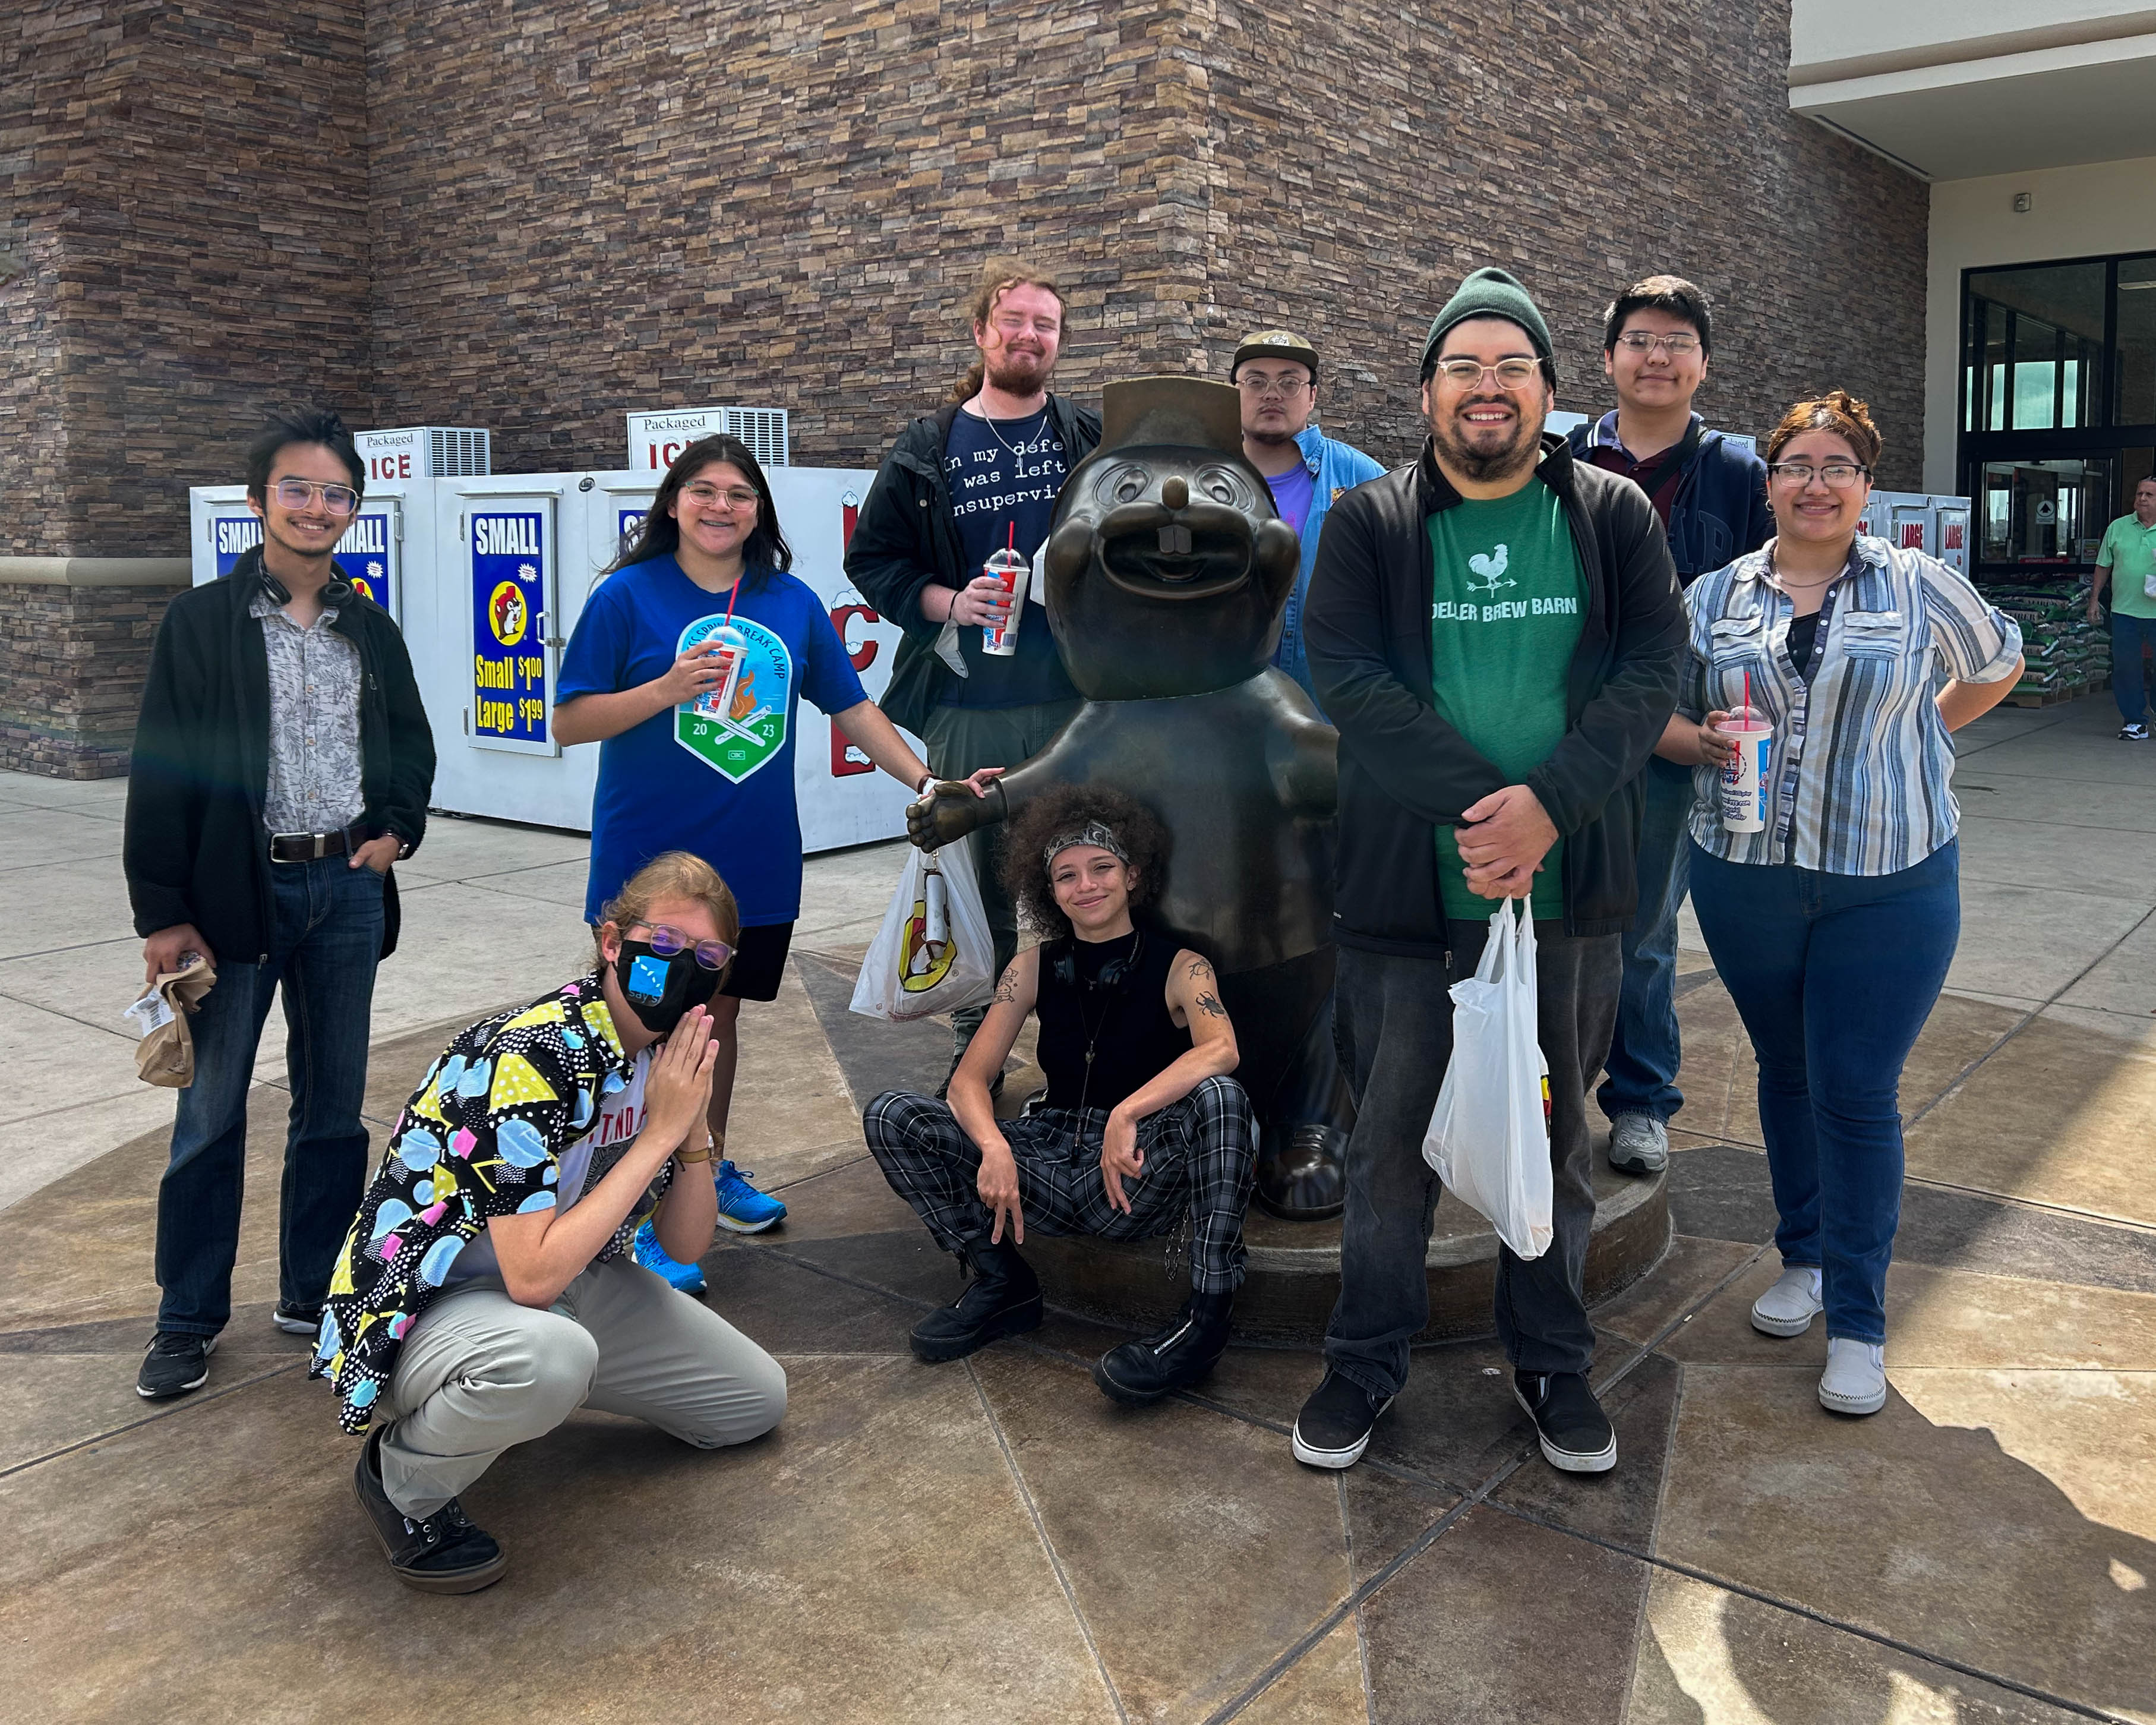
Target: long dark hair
660,535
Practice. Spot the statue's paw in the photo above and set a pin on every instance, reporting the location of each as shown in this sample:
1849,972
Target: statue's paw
1303,1178
946,814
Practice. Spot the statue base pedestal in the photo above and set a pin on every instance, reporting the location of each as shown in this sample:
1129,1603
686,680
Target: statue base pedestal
1294,1273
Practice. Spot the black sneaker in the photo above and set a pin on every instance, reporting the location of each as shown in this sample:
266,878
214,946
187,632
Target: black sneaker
1576,1434
1180,1353
297,1319
173,1364
442,1554
1334,1427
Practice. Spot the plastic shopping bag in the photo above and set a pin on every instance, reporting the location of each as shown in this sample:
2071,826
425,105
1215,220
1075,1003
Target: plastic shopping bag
934,952
1489,1134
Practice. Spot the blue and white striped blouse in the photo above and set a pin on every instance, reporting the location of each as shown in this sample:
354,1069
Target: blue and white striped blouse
1862,760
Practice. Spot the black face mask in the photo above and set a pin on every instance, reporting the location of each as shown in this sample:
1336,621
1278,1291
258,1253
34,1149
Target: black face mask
660,991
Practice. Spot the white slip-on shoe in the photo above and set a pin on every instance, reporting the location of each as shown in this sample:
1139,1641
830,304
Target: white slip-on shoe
1788,1307
1854,1380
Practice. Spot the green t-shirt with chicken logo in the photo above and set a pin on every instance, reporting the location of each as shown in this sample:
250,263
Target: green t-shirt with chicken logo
1507,600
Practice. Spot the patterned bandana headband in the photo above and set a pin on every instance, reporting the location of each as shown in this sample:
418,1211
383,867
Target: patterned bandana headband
1092,832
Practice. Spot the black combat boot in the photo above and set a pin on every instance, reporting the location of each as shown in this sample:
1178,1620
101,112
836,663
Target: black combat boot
1179,1355
1003,1299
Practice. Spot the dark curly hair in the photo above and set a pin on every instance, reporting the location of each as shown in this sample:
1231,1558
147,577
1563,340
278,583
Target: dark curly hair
1065,810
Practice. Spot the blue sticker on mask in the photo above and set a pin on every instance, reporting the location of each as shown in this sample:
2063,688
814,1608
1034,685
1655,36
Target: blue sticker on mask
646,978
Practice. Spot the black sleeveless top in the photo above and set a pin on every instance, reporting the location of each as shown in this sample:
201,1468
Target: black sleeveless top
1127,1025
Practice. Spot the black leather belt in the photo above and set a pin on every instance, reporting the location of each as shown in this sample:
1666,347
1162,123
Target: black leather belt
308,847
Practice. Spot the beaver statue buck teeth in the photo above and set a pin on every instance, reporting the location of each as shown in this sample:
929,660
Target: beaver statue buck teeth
1168,571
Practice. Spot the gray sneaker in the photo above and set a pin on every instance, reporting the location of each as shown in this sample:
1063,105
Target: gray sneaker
1639,1144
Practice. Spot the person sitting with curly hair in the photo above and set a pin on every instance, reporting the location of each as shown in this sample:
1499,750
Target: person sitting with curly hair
1141,1123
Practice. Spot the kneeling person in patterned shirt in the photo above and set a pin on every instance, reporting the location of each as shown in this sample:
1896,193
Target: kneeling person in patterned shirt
1141,1124
486,1291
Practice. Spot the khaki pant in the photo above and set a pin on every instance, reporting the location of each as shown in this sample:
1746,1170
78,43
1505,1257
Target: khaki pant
480,1373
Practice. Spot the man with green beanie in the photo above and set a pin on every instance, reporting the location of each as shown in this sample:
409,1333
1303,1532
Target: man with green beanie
1495,631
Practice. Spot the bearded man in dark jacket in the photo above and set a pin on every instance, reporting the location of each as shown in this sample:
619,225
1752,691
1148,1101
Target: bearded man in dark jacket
1495,630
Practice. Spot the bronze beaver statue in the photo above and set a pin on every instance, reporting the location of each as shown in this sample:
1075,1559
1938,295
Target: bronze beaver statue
1168,571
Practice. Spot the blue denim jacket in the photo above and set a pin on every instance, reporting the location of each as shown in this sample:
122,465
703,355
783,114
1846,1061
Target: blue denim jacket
1336,467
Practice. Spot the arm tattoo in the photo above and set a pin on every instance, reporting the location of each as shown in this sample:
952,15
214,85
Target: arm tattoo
1210,1005
1007,990
1199,969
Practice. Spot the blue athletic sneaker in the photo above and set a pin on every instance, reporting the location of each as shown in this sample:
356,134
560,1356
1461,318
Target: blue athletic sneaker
742,1209
652,1256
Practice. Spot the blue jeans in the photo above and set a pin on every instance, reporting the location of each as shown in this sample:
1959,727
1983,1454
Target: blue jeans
1644,1054
1834,975
327,939
2129,687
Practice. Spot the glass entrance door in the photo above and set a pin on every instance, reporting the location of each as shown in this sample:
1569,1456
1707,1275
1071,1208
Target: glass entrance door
2046,514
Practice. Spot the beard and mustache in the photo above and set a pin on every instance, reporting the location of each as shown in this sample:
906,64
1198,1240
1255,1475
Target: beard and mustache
1481,463
1018,373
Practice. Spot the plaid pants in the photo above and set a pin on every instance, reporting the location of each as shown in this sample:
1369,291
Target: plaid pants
1199,1154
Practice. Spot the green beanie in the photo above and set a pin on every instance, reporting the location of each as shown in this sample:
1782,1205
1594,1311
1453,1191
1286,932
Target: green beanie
1490,293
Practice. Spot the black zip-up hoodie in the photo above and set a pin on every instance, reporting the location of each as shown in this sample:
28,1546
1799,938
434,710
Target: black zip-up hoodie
195,848
907,536
1404,772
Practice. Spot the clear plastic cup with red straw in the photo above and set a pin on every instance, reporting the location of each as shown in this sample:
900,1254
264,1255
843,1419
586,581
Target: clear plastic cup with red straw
1006,565
1747,784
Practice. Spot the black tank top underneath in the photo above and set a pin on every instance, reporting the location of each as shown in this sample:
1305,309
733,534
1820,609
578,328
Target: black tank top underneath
1127,1025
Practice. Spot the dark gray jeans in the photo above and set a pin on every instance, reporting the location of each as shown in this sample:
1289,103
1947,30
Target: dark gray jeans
1393,1021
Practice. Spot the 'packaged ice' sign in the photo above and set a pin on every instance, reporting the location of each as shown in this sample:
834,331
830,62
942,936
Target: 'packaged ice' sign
509,606
654,439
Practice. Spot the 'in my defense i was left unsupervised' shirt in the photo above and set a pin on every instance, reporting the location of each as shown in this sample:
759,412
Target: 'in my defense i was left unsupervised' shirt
1507,600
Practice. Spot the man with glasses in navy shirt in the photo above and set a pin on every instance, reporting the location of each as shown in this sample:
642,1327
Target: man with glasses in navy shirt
282,762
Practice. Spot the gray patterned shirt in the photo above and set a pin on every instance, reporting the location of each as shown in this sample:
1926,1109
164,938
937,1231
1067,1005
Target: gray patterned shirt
314,723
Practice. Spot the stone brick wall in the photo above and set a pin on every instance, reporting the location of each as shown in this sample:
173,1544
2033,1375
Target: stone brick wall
72,664
193,181
1358,170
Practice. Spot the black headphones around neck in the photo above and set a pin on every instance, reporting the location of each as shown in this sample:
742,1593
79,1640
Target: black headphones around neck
1115,974
335,591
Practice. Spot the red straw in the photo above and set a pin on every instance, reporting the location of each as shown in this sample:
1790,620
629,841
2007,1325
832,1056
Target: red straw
1013,546
1748,688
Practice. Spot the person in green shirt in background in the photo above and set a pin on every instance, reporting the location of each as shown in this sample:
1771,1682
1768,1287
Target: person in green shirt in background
2128,560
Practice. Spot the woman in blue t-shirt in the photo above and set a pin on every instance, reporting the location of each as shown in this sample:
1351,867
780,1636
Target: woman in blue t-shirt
687,666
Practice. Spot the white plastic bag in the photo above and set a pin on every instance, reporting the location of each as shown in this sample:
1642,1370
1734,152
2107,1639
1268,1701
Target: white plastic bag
1489,1134
913,970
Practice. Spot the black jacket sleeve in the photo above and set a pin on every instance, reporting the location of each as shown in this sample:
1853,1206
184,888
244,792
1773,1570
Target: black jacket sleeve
1418,759
1759,527
410,779
1608,745
890,558
163,827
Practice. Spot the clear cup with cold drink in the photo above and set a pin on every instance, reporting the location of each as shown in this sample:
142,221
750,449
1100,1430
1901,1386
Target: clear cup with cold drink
1009,567
726,659
1747,782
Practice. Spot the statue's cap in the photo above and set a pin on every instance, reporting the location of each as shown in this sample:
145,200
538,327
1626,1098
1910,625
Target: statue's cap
1190,412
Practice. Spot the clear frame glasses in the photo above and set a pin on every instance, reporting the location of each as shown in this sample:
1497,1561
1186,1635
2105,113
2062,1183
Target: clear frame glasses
666,939
297,493
1840,476
1261,386
1676,345
1511,374
709,497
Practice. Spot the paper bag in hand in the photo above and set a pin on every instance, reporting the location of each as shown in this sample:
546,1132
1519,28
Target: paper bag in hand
166,1054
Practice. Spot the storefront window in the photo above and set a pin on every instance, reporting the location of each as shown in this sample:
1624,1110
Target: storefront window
2047,513
2133,375
2038,336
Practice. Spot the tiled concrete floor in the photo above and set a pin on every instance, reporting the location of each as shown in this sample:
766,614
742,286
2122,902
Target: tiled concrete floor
991,1540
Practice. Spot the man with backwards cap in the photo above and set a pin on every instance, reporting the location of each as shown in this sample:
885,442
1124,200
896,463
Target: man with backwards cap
1275,373
1495,630
1141,1126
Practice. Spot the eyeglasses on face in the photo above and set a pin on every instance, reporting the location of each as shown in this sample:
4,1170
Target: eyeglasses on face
1468,373
1676,345
666,941
711,497
1840,476
1259,384
297,493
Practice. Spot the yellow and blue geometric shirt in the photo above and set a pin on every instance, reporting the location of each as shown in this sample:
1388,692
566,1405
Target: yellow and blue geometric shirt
481,1136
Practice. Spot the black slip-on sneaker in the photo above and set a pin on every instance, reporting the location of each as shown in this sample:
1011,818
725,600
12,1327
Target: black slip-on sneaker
1576,1434
440,1553
1335,1424
173,1364
297,1319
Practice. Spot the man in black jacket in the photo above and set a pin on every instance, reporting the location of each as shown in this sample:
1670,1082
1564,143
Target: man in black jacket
1495,630
979,475
282,762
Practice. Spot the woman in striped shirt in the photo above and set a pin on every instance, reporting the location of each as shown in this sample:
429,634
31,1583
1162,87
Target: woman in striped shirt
1833,927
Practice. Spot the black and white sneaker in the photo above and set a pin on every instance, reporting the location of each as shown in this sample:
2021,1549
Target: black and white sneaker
173,1364
1576,1434
1334,1427
439,1553
297,1319
2133,733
